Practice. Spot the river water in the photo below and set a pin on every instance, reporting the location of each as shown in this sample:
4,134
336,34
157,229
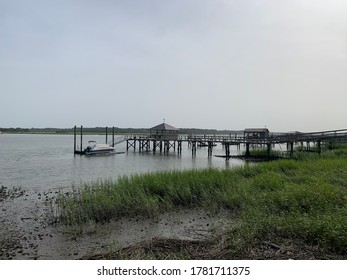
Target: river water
42,162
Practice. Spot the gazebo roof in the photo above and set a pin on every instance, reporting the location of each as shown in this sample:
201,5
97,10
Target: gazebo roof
256,130
164,126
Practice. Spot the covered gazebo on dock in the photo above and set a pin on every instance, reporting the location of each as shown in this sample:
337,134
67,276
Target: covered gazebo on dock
164,131
256,133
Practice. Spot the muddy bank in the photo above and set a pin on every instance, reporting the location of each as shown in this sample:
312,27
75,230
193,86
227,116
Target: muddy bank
24,224
214,249
27,231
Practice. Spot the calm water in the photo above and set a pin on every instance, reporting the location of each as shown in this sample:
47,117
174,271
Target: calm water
44,162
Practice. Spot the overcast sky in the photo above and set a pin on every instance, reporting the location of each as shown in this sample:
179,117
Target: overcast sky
223,64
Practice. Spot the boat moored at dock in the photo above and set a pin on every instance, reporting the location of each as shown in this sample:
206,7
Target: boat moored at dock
98,149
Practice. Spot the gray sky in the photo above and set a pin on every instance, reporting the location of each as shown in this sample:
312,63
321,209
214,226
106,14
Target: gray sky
219,64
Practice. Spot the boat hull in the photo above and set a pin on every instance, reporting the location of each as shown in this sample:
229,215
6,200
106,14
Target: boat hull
99,152
99,149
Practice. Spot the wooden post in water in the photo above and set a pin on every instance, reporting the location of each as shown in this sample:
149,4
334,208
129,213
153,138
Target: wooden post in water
74,139
227,150
291,149
113,136
106,135
81,138
247,150
209,151
179,147
193,148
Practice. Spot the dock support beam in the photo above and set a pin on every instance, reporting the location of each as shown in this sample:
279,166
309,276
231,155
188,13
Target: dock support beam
166,147
80,152
81,138
133,144
210,146
113,136
144,144
227,150
74,139
247,150
179,147
193,144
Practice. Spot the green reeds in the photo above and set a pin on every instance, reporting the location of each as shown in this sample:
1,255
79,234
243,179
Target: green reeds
262,153
146,194
302,200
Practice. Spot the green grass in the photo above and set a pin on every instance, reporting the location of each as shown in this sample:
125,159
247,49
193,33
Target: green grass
265,154
303,199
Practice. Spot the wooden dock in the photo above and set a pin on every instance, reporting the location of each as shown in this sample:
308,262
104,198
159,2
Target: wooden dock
158,143
148,143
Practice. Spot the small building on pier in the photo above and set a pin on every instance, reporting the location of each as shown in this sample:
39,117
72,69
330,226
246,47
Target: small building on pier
164,131
256,133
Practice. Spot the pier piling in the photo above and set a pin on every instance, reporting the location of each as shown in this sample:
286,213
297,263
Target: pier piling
81,139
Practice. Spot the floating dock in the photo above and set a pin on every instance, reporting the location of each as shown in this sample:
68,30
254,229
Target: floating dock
78,150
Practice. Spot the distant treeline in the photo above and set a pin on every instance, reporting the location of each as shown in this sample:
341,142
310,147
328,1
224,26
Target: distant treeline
101,130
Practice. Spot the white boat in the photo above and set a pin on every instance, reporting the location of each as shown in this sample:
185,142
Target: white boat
96,149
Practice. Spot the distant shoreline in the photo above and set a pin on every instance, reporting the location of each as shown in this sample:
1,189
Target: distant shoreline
101,130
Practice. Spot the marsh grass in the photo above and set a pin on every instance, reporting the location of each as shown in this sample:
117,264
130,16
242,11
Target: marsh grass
304,200
265,154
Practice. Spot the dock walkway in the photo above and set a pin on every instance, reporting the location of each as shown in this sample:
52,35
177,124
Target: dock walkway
144,142
165,143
